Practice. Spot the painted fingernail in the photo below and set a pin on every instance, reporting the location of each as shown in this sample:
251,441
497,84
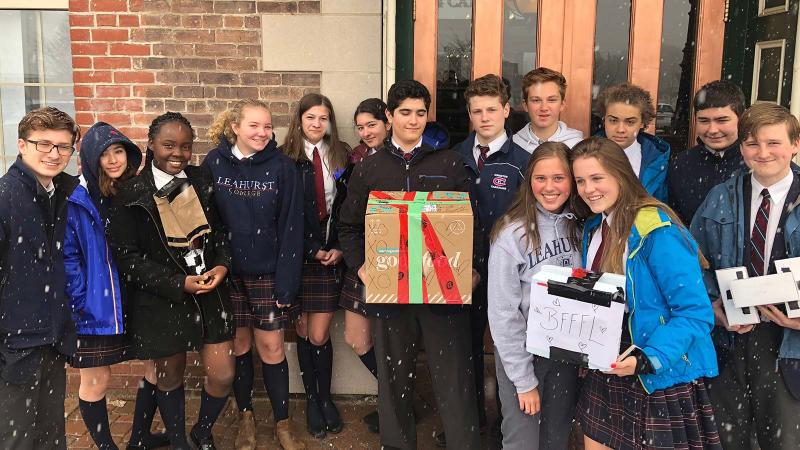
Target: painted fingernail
613,365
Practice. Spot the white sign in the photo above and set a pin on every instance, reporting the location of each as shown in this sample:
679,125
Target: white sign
735,316
585,330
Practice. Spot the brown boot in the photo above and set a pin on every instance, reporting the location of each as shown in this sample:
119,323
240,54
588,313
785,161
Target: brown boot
287,440
246,437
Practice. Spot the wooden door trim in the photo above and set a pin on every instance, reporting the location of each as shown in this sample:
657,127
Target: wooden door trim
487,37
708,50
426,22
644,48
578,62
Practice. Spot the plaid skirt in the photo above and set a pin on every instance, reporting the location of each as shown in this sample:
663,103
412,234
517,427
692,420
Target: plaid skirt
101,351
352,298
320,287
254,303
618,413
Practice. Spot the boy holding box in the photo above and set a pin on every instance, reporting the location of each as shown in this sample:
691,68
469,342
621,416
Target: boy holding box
36,329
751,220
406,164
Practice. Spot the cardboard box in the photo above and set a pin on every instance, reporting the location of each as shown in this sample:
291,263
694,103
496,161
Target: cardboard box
418,248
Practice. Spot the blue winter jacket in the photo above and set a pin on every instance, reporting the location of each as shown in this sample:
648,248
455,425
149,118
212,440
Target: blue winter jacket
655,161
92,280
719,228
260,200
670,316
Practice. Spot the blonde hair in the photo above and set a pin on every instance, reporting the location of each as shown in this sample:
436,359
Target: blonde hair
765,114
222,124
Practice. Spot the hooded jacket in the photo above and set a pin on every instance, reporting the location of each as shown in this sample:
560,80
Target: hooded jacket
655,161
529,141
34,309
512,265
719,227
93,285
670,317
260,201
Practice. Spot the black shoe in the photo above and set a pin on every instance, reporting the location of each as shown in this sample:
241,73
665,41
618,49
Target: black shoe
373,422
315,423
440,440
205,444
151,441
333,421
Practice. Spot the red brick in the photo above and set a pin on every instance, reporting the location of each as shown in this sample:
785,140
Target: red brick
171,21
129,105
192,63
152,63
100,104
236,92
109,5
143,118
174,105
300,79
219,78
237,64
84,118
261,79
215,49
83,91
151,35
192,6
134,132
81,20
154,104
78,5
81,62
112,34
91,76
252,22
189,92
192,21
128,20
234,22
130,49
212,21
237,36
277,7
150,19
152,91
112,91
134,77
136,5
78,34
174,49
193,36
249,51
89,49
308,7
196,106
176,77
106,20
104,62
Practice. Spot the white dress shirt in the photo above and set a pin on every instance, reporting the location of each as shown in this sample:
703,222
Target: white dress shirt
327,175
634,154
161,178
777,198
594,245
399,147
494,146
238,153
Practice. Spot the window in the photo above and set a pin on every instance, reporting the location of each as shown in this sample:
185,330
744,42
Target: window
612,40
454,67
35,71
519,53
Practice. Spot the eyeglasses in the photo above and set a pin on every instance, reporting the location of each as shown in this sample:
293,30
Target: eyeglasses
47,147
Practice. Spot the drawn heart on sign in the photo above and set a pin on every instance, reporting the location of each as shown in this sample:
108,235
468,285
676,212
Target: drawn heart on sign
594,307
556,302
603,330
582,345
550,339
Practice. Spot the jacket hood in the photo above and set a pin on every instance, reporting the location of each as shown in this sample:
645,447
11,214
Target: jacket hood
225,150
529,141
96,140
647,220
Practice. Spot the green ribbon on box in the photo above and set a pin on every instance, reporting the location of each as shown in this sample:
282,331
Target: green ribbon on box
415,240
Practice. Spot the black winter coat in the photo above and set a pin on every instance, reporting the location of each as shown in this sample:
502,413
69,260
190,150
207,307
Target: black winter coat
387,170
34,307
163,319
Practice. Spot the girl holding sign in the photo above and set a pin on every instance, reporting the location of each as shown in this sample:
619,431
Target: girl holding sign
655,397
540,227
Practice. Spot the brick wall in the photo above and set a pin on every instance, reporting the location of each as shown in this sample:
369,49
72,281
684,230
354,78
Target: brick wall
135,59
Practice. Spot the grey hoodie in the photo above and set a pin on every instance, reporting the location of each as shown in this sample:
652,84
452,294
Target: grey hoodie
529,141
512,265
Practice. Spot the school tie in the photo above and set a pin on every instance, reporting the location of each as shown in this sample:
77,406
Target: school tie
758,239
484,149
599,255
319,186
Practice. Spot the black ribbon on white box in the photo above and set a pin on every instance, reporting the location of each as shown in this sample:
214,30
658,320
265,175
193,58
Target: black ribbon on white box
576,316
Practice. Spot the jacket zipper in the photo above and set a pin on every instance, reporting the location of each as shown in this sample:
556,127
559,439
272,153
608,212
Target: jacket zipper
113,290
633,309
196,304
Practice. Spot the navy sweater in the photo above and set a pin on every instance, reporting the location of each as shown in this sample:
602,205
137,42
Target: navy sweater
260,199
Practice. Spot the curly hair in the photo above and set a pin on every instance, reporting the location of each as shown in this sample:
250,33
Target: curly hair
222,124
48,118
629,94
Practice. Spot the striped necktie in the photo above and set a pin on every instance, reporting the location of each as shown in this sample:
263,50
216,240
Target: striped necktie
484,149
758,239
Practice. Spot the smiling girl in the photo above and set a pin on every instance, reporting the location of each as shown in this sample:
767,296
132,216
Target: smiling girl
259,196
173,250
655,398
313,143
543,215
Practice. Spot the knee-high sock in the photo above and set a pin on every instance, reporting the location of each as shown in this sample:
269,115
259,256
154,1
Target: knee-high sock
95,416
243,382
143,413
173,412
368,359
210,409
276,381
306,362
322,356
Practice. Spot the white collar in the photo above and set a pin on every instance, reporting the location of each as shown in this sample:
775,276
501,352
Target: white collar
399,147
238,153
161,178
496,144
777,191
322,147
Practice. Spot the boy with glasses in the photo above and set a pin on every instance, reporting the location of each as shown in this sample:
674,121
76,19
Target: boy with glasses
36,329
